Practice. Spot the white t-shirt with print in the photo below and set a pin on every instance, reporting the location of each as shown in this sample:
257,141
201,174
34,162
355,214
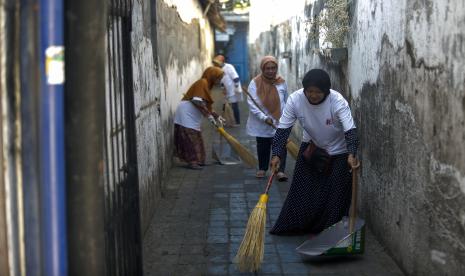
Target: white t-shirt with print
324,123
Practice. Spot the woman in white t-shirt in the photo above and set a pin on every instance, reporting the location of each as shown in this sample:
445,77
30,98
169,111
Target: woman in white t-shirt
267,97
320,193
196,103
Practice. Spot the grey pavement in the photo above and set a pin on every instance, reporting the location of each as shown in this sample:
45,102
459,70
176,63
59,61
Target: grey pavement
199,223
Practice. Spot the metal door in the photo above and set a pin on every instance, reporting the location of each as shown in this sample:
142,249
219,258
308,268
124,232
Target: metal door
122,222
237,51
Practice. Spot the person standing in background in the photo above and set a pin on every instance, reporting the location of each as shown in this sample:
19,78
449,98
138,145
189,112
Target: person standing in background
231,84
269,92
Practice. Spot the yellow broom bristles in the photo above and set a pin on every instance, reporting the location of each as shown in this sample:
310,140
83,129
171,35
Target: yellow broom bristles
292,148
249,257
243,153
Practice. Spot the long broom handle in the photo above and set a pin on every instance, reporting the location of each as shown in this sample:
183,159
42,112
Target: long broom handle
270,180
353,210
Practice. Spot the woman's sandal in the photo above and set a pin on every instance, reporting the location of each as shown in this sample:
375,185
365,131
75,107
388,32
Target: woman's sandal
260,174
195,167
282,177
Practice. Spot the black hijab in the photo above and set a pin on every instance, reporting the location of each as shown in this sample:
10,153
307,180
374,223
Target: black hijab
318,78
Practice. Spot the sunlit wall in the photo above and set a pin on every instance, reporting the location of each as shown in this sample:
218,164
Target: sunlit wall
266,13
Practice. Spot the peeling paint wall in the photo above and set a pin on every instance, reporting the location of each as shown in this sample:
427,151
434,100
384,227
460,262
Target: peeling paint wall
172,45
404,71
405,81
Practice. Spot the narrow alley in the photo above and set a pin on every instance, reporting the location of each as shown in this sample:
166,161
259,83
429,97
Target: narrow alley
200,221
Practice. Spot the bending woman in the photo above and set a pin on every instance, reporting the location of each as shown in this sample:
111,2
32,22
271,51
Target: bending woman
320,193
196,103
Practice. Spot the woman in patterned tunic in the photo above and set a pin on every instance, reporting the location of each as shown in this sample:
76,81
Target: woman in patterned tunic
196,103
317,198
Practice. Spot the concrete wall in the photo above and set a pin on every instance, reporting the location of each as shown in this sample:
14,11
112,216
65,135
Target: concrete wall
404,79
172,45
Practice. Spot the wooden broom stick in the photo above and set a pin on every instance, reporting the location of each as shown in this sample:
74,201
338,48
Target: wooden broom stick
353,209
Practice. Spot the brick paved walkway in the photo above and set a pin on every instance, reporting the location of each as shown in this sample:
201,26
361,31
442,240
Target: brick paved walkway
200,222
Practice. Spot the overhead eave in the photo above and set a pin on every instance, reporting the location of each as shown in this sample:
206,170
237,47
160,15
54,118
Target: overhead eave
213,14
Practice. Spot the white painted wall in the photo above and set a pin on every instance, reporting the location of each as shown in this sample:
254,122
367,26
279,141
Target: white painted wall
187,9
268,13
158,90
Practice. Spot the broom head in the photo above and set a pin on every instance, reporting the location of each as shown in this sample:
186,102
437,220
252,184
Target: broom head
292,148
249,257
242,151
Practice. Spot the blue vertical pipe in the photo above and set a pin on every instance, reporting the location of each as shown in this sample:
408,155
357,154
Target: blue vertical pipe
52,140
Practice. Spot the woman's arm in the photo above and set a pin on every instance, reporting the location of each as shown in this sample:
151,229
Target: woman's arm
344,115
252,107
280,141
279,147
286,123
201,105
352,142
289,114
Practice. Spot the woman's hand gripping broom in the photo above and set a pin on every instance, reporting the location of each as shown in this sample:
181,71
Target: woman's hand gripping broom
292,148
242,151
249,257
